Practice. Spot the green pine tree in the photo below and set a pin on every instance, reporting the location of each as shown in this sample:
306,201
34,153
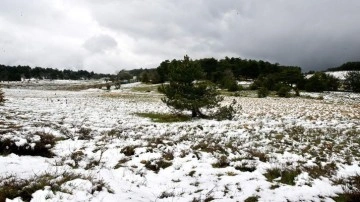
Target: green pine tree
352,81
187,90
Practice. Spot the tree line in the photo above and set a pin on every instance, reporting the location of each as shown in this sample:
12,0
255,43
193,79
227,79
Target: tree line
349,66
226,72
266,76
223,72
17,73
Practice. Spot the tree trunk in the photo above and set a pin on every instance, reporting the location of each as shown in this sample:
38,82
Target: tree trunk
193,113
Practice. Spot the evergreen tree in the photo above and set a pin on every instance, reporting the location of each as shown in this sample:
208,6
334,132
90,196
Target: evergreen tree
145,77
320,82
163,71
228,81
187,90
352,81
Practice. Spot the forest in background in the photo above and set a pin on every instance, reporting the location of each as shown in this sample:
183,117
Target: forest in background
17,73
224,72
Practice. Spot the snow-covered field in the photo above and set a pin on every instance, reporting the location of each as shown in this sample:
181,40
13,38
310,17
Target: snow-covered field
275,149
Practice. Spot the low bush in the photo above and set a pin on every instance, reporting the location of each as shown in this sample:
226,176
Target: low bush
222,162
37,144
272,174
284,91
245,168
320,82
108,86
85,134
233,87
166,194
128,150
156,165
286,176
226,112
12,187
117,85
262,92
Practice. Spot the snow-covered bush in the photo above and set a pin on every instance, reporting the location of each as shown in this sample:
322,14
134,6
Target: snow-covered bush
12,187
37,144
225,113
351,189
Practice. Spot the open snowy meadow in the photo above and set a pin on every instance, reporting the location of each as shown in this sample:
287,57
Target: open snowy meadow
96,145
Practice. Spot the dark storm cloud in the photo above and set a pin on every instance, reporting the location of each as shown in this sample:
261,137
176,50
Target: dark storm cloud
87,34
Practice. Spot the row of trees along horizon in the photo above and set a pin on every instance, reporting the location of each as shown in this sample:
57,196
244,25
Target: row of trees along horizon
224,72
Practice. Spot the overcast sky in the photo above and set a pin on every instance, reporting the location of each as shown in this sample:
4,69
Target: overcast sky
110,35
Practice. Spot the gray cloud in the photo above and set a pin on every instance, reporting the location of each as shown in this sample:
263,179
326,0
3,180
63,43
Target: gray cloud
100,43
87,34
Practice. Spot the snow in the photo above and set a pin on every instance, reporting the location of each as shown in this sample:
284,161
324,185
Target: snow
262,125
337,74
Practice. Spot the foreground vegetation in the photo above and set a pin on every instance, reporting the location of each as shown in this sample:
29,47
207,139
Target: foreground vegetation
245,149
223,72
119,145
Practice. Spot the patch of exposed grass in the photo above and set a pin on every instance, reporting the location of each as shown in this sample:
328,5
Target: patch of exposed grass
191,173
79,87
272,174
168,155
156,165
286,176
222,162
77,156
129,150
166,194
230,173
165,118
145,89
205,146
262,156
245,168
274,186
252,199
85,133
325,171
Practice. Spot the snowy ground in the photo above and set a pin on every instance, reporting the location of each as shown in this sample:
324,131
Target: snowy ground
275,149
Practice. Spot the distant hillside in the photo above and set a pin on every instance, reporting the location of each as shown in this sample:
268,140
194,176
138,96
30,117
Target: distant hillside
349,66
